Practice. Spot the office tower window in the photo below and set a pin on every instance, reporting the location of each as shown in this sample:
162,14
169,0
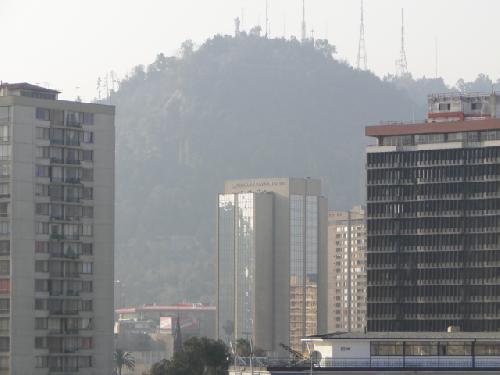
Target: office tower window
245,265
226,266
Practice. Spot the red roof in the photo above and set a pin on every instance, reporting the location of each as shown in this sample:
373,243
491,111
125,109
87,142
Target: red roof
178,307
433,127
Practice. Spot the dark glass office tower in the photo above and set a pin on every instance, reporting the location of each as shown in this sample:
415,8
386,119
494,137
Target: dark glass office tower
433,219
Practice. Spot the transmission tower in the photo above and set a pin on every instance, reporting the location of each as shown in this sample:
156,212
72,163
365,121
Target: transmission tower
402,64
362,56
267,18
304,29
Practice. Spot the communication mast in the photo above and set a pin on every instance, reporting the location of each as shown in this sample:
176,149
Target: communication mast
402,64
304,29
267,18
362,56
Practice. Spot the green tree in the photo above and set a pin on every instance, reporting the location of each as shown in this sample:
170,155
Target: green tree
200,356
243,348
123,359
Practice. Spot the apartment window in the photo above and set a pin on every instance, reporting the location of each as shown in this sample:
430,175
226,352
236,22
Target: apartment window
56,173
42,228
88,212
87,286
43,133
4,344
4,170
42,171
40,304
41,247
41,362
42,114
4,227
4,267
56,136
87,267
41,266
88,193
41,323
4,152
4,286
88,137
88,155
40,342
42,209
87,175
87,249
87,305
4,305
73,118
56,193
4,325
41,190
56,211
4,209
88,118
4,247
477,106
4,133
72,137
87,230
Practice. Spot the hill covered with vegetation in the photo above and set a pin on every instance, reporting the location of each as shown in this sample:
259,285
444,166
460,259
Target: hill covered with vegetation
234,108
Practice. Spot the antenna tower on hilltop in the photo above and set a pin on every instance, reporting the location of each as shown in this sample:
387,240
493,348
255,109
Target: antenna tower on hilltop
304,29
362,56
267,19
402,64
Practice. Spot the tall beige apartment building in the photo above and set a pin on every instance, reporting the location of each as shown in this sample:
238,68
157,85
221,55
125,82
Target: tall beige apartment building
271,262
347,270
56,233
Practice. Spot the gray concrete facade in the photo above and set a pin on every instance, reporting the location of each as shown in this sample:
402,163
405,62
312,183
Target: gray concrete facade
60,235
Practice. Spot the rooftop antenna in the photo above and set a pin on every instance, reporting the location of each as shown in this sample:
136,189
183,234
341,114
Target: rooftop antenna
402,64
237,27
362,56
267,18
304,29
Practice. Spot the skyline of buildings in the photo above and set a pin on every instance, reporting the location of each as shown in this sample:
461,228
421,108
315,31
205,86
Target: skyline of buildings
56,233
271,263
433,218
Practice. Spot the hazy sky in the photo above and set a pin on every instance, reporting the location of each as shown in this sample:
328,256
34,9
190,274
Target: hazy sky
67,44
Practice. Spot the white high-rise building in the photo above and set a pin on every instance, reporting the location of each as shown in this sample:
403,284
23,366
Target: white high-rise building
56,233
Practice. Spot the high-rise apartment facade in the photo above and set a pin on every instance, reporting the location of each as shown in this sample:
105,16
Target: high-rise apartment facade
56,233
271,263
433,219
347,270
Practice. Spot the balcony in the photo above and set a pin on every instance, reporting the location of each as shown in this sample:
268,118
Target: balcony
72,180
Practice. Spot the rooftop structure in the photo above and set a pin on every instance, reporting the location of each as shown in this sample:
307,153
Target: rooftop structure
27,90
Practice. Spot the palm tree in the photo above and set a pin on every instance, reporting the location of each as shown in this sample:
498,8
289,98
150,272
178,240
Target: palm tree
123,359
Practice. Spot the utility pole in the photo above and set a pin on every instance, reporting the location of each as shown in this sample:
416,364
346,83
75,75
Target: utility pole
362,56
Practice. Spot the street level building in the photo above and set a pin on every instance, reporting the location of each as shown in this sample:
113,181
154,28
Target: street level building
347,270
272,262
56,233
433,219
